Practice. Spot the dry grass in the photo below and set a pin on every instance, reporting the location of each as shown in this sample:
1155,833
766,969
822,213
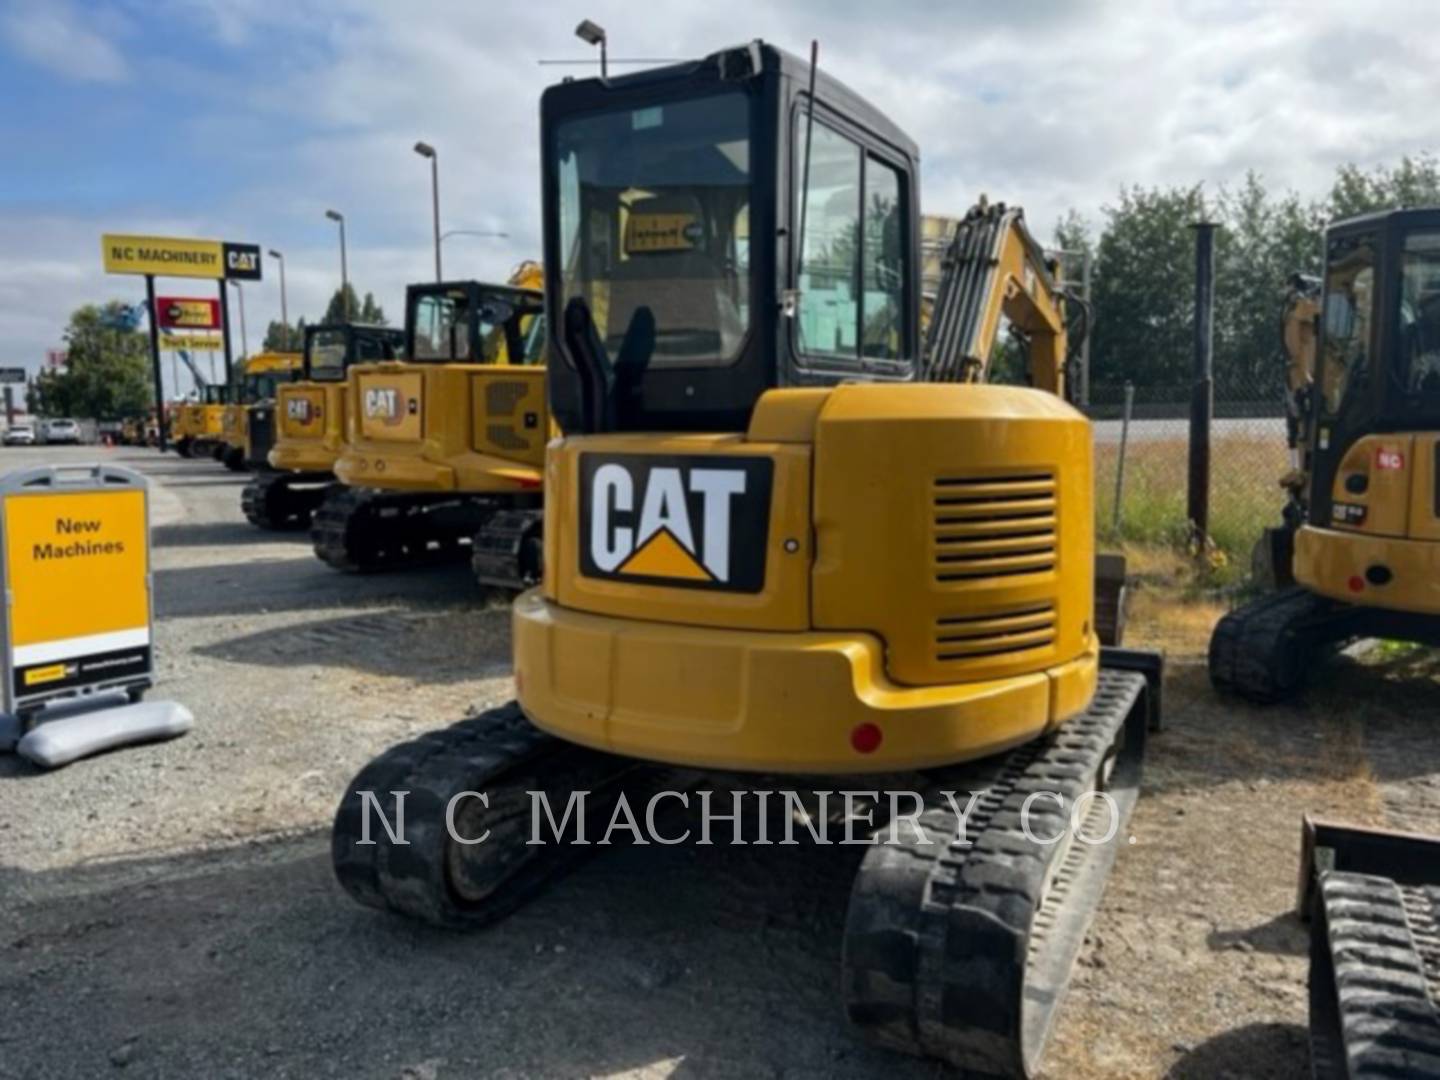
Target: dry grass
1245,497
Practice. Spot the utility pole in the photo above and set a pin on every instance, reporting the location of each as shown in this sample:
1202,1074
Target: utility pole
1202,394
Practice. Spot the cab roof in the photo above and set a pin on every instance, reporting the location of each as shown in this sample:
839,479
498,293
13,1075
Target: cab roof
737,63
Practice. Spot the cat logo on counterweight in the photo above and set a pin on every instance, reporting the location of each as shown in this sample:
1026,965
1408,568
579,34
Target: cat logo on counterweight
692,521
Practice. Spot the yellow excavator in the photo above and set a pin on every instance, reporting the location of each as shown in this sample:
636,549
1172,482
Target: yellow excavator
294,442
262,375
198,422
1357,556
1358,552
785,534
445,448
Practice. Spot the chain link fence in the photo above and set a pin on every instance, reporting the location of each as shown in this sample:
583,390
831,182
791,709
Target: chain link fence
1142,466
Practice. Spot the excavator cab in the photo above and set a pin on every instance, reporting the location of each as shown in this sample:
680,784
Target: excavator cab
444,450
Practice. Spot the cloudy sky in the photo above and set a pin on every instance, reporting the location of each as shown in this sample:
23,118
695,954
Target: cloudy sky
245,119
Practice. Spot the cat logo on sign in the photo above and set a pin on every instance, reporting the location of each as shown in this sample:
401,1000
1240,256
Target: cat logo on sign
699,522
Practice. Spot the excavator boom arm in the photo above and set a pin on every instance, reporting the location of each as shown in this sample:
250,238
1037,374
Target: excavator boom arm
993,266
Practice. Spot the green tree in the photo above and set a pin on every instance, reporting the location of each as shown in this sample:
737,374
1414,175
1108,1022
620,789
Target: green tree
107,371
282,338
1142,285
1415,181
366,311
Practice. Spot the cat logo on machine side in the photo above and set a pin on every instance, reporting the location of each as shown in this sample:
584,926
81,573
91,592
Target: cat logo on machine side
388,405
699,522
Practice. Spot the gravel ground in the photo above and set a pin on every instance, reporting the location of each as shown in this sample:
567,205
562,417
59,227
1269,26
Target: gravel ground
168,910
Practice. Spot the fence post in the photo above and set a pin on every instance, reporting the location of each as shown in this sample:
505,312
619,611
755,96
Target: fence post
1120,464
1202,395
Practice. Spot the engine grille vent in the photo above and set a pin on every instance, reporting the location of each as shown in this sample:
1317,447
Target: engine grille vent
1001,633
994,527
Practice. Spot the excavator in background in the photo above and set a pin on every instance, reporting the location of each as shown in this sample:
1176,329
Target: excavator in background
786,533
294,441
1358,555
203,422
1358,552
445,449
262,375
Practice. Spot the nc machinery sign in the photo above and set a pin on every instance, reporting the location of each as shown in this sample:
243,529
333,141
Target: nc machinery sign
693,521
172,257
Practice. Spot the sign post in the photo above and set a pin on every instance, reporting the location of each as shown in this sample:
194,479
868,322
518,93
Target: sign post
165,256
155,368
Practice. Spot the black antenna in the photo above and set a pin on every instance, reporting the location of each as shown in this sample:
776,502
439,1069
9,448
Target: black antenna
805,178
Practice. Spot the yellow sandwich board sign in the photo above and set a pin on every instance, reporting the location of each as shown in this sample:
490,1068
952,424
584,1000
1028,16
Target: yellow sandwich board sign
76,571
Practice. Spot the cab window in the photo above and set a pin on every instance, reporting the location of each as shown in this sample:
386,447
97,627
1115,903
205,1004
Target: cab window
654,218
852,279
1349,300
442,327
1420,318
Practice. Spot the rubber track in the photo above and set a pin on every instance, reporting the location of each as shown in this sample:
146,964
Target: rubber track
499,552
1261,651
501,754
355,530
1373,967
945,943
269,503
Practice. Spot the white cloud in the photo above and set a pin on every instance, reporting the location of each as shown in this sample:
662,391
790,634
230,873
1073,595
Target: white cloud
52,34
1050,104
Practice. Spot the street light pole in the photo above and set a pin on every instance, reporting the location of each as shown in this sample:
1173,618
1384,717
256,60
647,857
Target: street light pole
593,34
244,339
339,219
425,150
284,310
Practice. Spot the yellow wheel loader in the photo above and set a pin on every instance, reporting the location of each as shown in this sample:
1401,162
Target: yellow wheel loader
294,441
1358,554
785,535
445,449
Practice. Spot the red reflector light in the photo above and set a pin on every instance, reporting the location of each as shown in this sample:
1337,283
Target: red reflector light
866,738
1357,583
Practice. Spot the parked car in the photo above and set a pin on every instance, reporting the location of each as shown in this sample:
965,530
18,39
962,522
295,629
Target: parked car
20,435
60,431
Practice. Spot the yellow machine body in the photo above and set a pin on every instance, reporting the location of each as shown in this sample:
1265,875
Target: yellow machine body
927,555
1380,548
209,421
184,420
469,428
310,426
